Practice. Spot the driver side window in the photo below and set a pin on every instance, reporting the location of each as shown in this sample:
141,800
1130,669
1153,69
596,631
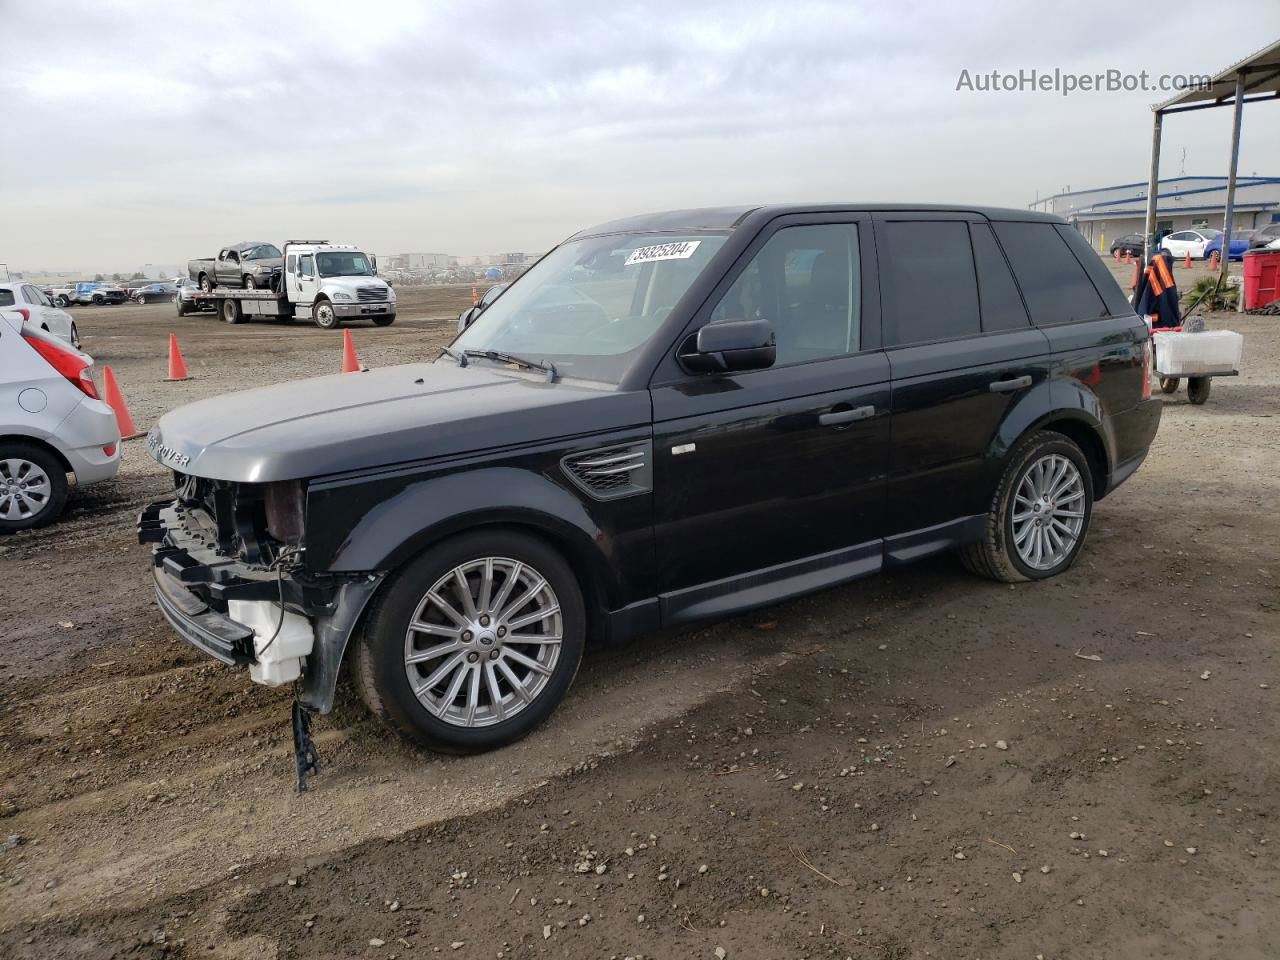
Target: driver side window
806,281
306,266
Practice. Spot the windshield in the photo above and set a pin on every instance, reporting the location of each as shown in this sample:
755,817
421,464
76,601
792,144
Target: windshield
346,263
264,252
1241,234
590,305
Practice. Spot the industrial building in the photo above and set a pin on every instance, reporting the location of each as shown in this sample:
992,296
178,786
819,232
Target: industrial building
1182,203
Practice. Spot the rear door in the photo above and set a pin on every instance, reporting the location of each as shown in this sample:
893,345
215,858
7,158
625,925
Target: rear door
962,350
757,470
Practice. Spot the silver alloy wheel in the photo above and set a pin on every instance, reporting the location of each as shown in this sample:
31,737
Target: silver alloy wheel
1048,511
483,642
25,489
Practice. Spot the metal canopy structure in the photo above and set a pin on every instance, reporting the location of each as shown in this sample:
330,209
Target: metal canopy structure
1252,80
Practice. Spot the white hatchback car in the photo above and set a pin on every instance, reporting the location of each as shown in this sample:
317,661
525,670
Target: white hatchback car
30,301
51,424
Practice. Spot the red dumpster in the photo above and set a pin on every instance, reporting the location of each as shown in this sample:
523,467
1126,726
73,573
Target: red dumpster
1261,278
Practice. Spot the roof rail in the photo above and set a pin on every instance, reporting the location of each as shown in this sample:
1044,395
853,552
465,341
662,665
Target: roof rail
287,242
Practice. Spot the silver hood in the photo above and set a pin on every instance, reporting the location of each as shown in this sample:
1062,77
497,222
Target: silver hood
359,421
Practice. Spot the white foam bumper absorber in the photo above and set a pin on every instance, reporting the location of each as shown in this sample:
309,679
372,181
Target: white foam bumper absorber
279,660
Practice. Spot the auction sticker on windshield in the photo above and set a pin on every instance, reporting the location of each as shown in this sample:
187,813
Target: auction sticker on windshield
682,250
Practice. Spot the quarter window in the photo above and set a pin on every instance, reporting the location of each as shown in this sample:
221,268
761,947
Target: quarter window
1002,307
1056,286
807,282
6,298
929,291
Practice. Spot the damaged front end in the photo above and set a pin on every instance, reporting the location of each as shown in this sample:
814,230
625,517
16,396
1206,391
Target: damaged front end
231,578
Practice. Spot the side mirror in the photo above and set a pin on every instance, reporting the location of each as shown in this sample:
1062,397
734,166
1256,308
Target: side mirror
468,317
730,346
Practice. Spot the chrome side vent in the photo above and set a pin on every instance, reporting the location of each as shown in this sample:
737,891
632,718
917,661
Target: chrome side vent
612,472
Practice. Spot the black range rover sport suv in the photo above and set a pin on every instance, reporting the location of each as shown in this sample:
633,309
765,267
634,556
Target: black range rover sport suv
670,417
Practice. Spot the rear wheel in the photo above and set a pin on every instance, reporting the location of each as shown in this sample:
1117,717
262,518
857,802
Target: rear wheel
1040,515
1170,384
33,487
474,643
231,312
181,305
1198,389
323,314
206,284
61,301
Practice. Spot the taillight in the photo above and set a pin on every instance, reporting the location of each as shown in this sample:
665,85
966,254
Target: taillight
1146,369
26,314
67,362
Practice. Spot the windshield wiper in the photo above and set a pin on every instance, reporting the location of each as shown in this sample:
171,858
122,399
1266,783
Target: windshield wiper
499,357
456,354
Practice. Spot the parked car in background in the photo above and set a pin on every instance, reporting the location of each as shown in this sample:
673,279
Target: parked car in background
1238,245
32,302
1130,243
189,298
1189,241
253,265
155,292
670,417
88,292
472,313
1267,235
52,424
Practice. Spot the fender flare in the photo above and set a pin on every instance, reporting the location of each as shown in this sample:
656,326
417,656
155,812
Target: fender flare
432,509
1064,403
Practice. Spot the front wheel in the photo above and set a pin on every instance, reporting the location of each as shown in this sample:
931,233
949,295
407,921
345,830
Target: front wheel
1170,384
75,336
61,301
474,643
1040,515
384,321
249,283
231,312
323,314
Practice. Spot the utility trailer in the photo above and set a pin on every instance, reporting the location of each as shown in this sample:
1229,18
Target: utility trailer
321,281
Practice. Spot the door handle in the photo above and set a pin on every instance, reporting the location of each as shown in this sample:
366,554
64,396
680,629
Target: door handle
1008,386
839,417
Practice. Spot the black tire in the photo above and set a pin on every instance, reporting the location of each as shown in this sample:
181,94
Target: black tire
384,321
205,283
378,655
248,283
75,336
181,305
323,314
231,312
98,300
61,301
53,470
1198,389
992,557
1170,384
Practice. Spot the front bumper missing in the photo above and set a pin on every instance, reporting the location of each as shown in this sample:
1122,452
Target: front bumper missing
195,585
216,634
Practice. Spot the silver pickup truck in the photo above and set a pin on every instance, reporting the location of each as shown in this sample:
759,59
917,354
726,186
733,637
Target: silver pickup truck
253,265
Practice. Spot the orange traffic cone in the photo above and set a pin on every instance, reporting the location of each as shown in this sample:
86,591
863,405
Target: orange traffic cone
1187,264
177,369
475,297
349,362
114,399
1213,260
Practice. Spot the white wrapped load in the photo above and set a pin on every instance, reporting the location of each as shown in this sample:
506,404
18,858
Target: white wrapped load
1198,354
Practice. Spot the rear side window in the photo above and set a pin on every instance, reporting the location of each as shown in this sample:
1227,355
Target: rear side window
1104,282
1002,307
6,298
1056,286
929,290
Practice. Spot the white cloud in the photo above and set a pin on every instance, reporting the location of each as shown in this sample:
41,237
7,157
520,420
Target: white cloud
486,126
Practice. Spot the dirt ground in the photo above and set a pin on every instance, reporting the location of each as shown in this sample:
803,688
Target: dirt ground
921,764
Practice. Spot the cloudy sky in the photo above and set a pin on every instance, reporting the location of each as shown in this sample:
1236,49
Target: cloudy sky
154,132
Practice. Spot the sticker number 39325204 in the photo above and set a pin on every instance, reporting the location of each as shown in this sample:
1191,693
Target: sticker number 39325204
680,250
